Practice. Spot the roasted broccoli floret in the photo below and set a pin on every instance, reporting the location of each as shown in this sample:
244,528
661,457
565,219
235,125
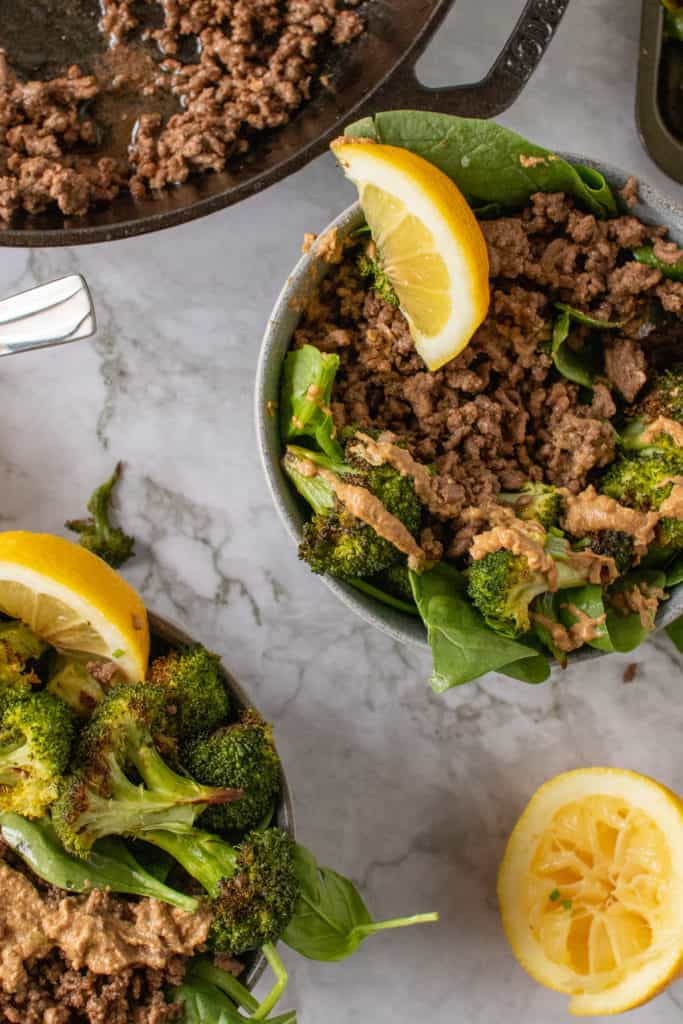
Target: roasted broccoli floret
614,544
664,400
336,541
370,268
253,886
123,785
241,755
71,681
36,733
644,482
194,684
97,533
540,502
19,647
502,585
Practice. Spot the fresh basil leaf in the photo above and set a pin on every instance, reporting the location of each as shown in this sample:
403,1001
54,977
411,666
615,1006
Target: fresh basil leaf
674,573
463,646
645,254
675,633
489,163
579,366
331,919
627,631
305,396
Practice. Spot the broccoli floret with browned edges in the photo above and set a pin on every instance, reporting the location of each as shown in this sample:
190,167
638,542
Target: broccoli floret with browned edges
376,277
123,785
535,501
97,533
614,544
240,755
503,585
193,680
20,648
253,886
336,541
644,482
36,734
664,400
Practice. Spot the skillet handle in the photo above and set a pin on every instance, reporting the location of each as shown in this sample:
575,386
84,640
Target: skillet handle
499,88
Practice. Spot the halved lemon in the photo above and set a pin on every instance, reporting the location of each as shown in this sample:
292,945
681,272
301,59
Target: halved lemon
591,888
430,244
73,600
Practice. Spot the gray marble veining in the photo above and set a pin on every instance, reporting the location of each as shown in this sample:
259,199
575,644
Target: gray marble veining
411,794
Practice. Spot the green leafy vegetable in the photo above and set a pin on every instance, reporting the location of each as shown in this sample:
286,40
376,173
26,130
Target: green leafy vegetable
645,254
331,919
305,395
463,646
675,633
97,533
381,595
207,979
673,19
627,631
674,573
489,163
577,366
589,600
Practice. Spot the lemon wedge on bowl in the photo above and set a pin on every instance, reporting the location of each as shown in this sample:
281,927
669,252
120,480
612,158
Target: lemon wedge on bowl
73,599
591,888
430,244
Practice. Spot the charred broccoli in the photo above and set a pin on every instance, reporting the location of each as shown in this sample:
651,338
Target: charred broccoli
97,533
502,585
370,267
36,733
194,685
644,482
120,745
336,541
614,544
253,886
71,681
19,647
664,400
537,501
241,755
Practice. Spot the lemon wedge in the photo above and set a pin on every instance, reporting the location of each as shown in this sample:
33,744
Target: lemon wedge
591,888
73,599
430,244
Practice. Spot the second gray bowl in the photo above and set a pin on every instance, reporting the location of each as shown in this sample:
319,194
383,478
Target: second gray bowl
653,208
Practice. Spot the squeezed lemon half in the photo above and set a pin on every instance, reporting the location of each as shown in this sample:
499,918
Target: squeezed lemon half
591,888
73,599
430,244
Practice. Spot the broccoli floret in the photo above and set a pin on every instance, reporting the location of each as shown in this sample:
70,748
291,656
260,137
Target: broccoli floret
19,647
540,502
337,542
664,399
72,683
97,533
241,755
614,544
36,733
193,681
120,745
502,585
396,581
644,482
369,267
253,886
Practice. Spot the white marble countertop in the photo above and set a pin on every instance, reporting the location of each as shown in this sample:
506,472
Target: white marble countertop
411,794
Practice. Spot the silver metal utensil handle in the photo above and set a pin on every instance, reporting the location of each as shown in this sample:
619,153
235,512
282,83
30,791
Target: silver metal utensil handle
51,314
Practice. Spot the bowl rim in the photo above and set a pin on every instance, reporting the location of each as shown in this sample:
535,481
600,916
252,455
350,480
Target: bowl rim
168,632
310,268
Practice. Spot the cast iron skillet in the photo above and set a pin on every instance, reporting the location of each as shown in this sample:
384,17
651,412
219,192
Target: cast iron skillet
166,635
377,72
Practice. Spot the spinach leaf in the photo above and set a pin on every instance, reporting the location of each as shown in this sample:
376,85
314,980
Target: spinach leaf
589,600
305,395
489,163
205,1004
645,254
675,633
531,670
463,646
381,595
546,605
627,631
581,366
331,919
674,573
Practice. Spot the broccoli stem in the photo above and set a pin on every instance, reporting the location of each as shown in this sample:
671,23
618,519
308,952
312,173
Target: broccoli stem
206,857
161,779
13,757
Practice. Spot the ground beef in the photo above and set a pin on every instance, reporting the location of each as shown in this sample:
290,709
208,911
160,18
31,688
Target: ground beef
256,65
500,413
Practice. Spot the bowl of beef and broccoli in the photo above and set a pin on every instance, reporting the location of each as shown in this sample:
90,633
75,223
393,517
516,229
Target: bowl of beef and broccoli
147,853
521,505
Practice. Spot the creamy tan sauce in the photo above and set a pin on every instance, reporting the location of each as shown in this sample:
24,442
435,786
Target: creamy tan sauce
527,540
385,451
365,506
88,933
642,599
663,425
579,633
672,507
589,512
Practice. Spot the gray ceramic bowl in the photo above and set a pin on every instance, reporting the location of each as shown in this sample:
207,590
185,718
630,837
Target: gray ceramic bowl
300,285
166,635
